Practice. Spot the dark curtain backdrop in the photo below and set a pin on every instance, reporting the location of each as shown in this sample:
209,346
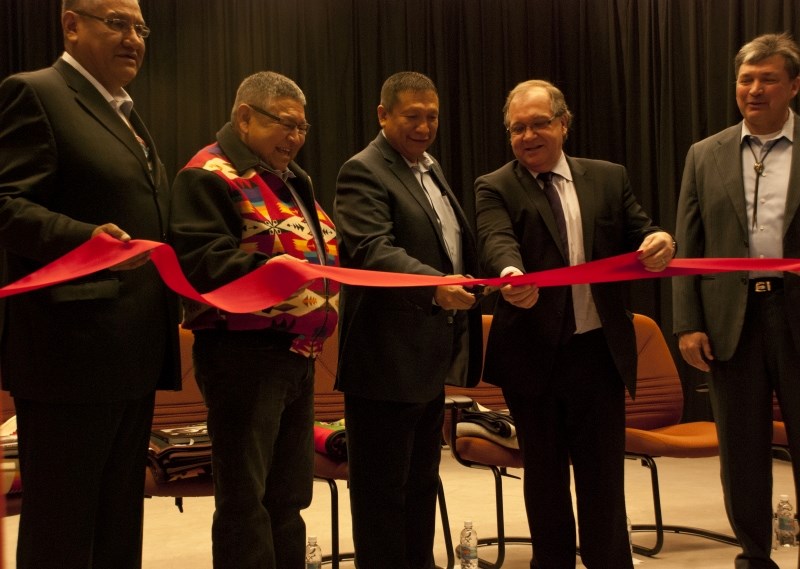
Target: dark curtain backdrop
645,78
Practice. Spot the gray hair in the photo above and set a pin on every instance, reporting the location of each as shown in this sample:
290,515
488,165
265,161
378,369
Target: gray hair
765,46
558,104
263,87
404,81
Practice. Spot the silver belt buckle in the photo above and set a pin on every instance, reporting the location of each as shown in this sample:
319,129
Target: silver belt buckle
763,286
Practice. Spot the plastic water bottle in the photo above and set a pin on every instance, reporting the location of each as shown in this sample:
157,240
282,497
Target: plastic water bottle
785,523
468,547
313,554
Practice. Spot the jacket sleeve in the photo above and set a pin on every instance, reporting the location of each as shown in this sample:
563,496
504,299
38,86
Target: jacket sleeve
206,230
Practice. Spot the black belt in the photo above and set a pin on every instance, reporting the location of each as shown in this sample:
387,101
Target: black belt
765,285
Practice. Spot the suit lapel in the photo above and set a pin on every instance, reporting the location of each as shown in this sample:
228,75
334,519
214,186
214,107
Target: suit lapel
400,169
142,131
793,193
93,103
728,160
467,236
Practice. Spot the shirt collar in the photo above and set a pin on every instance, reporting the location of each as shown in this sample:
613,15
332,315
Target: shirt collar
561,168
787,130
122,101
424,163
240,155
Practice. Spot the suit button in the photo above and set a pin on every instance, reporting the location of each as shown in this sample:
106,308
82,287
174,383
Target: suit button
450,319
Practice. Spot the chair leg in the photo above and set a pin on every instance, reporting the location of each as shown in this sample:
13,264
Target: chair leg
501,540
659,527
335,556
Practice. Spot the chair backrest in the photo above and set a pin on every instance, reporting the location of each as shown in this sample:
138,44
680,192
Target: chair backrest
659,393
185,407
486,394
328,403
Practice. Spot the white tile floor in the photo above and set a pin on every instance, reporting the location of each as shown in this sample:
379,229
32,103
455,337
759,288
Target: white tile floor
690,491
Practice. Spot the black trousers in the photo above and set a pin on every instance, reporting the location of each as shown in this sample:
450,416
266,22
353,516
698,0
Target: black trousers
260,399
393,450
766,359
579,417
83,470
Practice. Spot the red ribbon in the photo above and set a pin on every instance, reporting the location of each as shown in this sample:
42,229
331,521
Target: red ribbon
270,284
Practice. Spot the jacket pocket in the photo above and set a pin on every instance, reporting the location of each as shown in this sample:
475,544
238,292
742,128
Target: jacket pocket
92,290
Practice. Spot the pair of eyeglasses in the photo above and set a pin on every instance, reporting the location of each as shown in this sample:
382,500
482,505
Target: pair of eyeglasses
518,129
302,128
120,25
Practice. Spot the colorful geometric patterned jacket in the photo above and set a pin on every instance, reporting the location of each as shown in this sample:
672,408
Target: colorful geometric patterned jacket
272,224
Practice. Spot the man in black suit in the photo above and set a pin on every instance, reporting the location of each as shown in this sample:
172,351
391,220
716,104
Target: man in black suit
397,347
563,355
740,196
83,359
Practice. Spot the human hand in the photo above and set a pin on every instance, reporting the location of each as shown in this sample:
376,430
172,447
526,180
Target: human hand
117,233
453,297
656,251
695,348
522,296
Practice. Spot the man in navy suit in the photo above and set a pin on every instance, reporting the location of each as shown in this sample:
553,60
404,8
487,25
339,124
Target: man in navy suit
740,196
398,346
83,359
564,355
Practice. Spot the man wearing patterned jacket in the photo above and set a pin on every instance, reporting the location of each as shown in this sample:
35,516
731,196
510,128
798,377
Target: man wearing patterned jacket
238,204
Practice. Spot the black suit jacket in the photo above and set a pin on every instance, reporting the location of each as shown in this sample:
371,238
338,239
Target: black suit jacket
68,162
394,343
516,228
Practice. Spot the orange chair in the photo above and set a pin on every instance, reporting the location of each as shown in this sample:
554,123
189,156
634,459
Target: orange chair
177,409
654,428
780,443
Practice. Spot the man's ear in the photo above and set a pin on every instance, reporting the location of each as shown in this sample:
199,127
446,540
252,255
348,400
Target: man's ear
69,24
243,115
796,86
382,113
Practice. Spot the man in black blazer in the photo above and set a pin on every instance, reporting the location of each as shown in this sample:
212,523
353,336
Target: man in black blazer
397,347
740,196
563,355
83,359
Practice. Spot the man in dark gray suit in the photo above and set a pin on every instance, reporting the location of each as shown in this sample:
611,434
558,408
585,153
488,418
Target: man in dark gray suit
395,212
83,359
739,198
564,355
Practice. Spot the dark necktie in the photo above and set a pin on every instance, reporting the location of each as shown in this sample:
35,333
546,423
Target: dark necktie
558,211
568,325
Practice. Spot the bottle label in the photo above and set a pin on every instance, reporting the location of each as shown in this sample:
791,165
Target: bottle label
468,552
313,565
786,523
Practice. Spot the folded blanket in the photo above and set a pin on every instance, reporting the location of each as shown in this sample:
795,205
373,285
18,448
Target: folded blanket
496,423
330,439
495,426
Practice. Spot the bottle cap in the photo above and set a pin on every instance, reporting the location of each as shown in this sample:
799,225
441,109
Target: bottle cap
312,539
784,497
467,523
